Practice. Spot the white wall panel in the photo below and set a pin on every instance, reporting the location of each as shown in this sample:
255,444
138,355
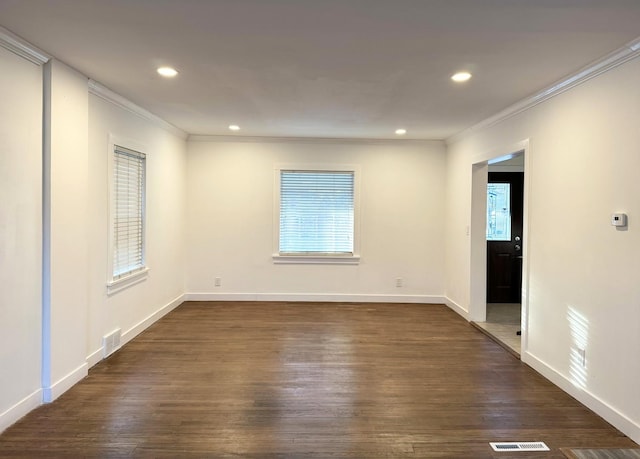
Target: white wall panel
66,221
583,273
134,307
230,222
20,236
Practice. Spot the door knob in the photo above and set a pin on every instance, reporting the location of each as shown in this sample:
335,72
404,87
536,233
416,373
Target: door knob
517,238
518,247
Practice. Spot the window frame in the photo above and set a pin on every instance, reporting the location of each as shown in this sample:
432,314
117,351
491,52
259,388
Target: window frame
317,258
118,283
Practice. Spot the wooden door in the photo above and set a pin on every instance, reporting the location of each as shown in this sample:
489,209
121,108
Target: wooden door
504,237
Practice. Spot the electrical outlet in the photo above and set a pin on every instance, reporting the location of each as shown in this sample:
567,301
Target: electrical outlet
583,357
218,281
399,282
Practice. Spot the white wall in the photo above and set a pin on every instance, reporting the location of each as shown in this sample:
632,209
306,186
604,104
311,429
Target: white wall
66,256
20,236
230,205
582,165
134,308
54,228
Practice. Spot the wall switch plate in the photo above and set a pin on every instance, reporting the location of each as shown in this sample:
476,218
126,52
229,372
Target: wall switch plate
619,219
218,281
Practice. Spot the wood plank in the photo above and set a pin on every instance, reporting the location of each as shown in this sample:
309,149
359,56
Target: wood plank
318,380
609,453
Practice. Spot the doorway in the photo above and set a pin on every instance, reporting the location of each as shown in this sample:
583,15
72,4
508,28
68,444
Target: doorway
504,245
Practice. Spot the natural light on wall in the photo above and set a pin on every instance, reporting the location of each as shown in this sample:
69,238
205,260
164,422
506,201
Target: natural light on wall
579,329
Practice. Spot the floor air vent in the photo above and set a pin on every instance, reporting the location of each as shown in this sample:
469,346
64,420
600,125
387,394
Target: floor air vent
520,446
111,342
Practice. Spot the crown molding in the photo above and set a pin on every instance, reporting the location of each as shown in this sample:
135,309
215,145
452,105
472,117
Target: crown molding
107,94
612,60
22,48
314,140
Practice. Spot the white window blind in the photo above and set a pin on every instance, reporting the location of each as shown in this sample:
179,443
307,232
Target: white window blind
128,221
316,212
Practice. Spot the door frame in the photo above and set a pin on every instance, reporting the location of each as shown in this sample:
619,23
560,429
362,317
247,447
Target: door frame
478,228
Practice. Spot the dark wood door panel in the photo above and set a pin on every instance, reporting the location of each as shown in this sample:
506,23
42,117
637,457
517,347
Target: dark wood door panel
504,258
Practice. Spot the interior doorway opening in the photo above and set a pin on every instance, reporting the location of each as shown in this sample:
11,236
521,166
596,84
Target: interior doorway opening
499,311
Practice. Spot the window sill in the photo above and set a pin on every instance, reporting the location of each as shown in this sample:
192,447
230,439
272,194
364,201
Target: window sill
127,281
316,259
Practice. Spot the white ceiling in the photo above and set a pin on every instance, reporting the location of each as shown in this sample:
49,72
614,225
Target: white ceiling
325,68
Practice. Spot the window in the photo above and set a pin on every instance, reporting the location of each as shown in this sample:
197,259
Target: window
498,212
317,216
128,211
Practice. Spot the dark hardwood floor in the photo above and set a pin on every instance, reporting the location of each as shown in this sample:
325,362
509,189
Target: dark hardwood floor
308,380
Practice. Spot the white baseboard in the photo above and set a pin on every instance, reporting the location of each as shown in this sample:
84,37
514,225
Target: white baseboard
49,394
95,357
146,322
457,308
20,409
591,401
610,414
311,297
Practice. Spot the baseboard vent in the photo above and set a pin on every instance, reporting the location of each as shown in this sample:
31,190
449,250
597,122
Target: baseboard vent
111,342
520,446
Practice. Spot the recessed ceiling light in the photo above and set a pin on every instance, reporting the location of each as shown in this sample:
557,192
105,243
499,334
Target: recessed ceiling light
234,127
401,131
461,76
168,72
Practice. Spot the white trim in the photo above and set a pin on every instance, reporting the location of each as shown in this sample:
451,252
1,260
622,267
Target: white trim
315,259
456,307
98,355
478,243
614,59
127,281
150,319
125,142
49,394
46,360
497,155
626,425
498,168
107,94
526,236
22,48
478,247
20,409
95,357
314,297
312,140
